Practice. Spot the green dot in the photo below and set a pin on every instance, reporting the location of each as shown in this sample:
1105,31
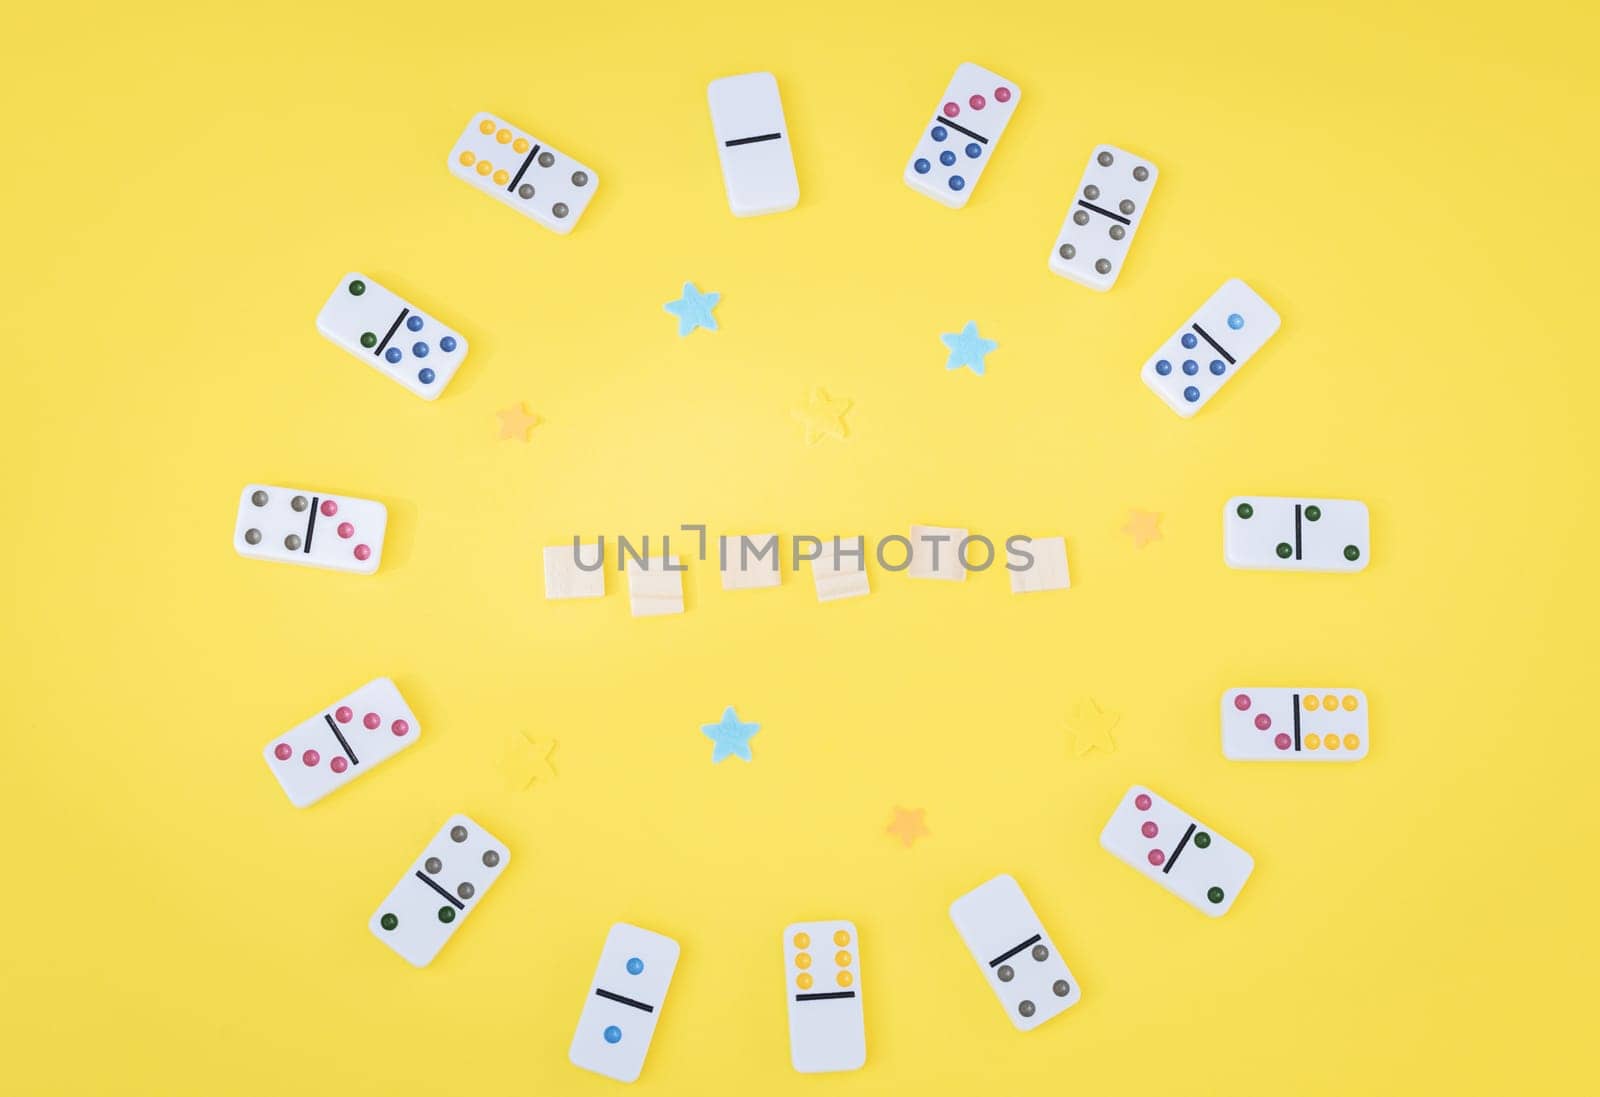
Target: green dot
1285,550
1214,894
357,288
1352,553
1313,513
388,921
368,339
1202,839
447,915
1245,510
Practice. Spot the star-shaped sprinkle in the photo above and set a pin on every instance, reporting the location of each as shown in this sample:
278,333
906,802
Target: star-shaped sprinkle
528,762
1090,727
730,736
515,422
1143,526
908,826
823,417
693,309
967,348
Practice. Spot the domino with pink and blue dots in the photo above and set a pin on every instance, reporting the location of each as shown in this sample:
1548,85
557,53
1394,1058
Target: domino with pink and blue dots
391,335
960,141
1213,344
346,739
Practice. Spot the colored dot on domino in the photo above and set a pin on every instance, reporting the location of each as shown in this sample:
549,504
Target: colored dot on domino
977,102
1242,702
951,110
635,965
1331,703
1149,829
1189,341
842,958
447,344
343,714
1285,550
957,183
282,752
502,177
802,940
1352,741
371,720
1217,368
1310,703
419,350
1190,367
369,339
486,126
520,146
1313,741
613,1034
414,322
484,167
974,151
1352,553
1163,367
1202,839
388,921
1235,321
1350,703
447,915
802,960
1331,742
425,375
1282,741
346,530
400,728
1142,802
1002,95
1214,894
339,765
803,981
1263,721
467,159
1157,858
1313,513
1244,510
947,158
841,938
329,508
363,552
357,287
392,355
504,136
921,166
311,758
1191,394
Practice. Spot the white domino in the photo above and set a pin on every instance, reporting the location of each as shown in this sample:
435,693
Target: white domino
936,553
822,968
624,1002
340,743
1294,724
839,575
656,587
753,144
1210,348
523,172
960,135
391,335
1047,569
313,528
749,561
443,887
1022,964
563,578
1106,210
1192,861
1278,533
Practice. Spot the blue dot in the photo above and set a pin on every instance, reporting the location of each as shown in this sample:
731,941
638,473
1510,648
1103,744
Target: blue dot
1217,367
613,1034
1188,340
939,133
1163,367
947,158
957,183
447,344
392,355
1191,367
425,375
921,166
635,965
414,322
1191,394
1235,321
419,349
974,151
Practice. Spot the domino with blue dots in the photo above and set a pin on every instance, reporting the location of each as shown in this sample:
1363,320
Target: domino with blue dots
391,335
1204,354
960,140
624,1002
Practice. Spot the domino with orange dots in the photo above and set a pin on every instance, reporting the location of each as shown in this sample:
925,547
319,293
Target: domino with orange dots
827,1026
1296,724
523,172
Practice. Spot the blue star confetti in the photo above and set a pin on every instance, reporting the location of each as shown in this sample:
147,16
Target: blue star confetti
693,309
730,736
967,348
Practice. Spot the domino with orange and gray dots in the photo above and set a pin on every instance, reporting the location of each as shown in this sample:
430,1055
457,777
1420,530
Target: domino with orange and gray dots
521,171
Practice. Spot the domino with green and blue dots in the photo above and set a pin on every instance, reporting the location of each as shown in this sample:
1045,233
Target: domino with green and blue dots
391,335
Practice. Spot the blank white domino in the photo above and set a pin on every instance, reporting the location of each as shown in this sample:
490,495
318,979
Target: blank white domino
446,884
822,968
749,561
839,575
753,144
959,140
653,589
1015,953
1278,533
316,529
1110,202
563,578
1195,863
523,172
391,335
936,553
624,1002
1204,354
346,739
1294,724
1048,569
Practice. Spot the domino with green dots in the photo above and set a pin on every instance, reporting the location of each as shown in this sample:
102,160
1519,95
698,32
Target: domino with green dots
1177,851
1281,533
446,884
391,335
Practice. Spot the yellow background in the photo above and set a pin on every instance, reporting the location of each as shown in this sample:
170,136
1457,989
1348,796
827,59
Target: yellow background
1414,191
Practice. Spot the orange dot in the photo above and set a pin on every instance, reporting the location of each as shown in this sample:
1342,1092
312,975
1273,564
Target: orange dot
1312,742
1352,742
1311,703
842,959
802,960
502,177
520,144
1331,742
1351,704
466,159
844,978
503,136
803,981
1331,703
802,940
486,126
841,938
484,167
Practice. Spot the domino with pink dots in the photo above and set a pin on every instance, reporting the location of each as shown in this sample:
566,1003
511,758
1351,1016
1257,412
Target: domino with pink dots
312,528
1294,724
346,739
1177,851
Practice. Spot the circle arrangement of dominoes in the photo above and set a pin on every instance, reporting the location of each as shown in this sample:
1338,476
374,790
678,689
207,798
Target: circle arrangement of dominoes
823,970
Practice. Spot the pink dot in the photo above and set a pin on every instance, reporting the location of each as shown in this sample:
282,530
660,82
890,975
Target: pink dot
282,752
400,728
339,765
1002,95
951,110
329,508
1263,721
978,102
1157,858
311,758
371,720
362,552
343,714
1242,702
1282,740
346,530
1142,802
1149,830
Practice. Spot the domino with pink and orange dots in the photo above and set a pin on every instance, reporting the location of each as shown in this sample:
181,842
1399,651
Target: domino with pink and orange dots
1294,724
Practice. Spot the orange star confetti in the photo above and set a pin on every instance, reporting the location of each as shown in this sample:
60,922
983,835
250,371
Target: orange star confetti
908,826
515,422
1143,526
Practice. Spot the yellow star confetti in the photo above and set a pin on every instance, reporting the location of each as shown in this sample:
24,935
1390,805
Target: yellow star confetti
908,826
823,417
528,762
1144,526
1090,726
515,422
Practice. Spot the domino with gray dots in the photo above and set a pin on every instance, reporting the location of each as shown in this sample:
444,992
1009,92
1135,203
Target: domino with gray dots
444,886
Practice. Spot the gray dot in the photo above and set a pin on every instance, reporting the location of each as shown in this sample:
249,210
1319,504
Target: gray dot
1061,988
1025,1008
292,542
433,865
1141,173
559,209
1005,973
1068,251
259,498
1039,951
580,178
1126,206
525,191
1118,232
1105,159
458,833
252,537
546,159
1091,192
299,502
491,858
466,891
1102,266
1080,217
